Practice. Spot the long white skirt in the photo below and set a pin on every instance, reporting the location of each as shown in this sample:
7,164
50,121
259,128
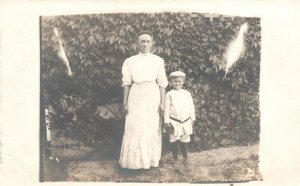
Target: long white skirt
141,146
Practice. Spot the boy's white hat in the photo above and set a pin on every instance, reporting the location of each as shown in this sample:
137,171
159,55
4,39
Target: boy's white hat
177,74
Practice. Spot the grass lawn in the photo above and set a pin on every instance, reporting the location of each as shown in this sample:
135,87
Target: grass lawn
232,164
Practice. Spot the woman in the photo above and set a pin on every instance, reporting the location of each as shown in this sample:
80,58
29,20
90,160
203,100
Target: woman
144,81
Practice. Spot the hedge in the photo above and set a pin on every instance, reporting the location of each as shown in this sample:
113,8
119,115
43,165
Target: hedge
86,105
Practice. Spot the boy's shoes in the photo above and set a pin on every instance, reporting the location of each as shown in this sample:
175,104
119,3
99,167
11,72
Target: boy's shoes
175,164
161,164
185,161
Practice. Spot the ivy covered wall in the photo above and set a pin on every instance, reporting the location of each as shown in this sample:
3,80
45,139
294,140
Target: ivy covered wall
86,106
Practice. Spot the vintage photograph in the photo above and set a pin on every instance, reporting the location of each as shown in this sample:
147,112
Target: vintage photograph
164,97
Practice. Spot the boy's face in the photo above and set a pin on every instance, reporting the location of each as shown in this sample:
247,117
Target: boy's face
177,82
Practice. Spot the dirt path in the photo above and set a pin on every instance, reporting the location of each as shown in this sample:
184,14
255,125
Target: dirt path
223,164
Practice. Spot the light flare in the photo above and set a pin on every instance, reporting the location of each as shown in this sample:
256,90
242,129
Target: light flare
236,48
62,53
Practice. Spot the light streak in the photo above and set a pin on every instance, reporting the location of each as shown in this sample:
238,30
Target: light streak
236,48
62,53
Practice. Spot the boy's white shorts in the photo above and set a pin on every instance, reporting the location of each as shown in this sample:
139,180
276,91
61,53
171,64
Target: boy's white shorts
184,138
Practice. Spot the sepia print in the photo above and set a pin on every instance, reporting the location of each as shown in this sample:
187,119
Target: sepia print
83,118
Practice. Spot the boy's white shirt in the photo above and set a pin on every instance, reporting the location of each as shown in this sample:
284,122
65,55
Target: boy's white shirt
179,104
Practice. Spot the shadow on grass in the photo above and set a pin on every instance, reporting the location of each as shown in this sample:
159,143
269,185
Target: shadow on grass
224,165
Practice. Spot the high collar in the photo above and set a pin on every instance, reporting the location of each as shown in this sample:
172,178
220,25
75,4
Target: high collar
177,90
144,54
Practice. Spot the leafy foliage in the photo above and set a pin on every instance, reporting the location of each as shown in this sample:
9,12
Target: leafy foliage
97,44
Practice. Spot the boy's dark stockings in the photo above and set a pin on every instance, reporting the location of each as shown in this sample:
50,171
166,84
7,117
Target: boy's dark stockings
183,148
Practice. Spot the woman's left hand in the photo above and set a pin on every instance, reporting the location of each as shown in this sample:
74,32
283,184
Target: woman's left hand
161,108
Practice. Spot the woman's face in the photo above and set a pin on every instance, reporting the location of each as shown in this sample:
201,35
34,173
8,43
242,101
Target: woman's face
145,43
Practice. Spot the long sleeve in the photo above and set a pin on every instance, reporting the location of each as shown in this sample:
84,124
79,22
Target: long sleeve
167,109
127,74
193,118
162,79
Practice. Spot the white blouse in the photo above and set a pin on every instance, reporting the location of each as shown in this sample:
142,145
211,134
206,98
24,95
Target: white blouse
144,68
179,105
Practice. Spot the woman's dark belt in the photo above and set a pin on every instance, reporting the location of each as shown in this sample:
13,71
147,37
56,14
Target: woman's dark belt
174,119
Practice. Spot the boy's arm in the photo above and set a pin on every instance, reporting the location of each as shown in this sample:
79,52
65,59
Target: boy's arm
167,109
167,123
193,117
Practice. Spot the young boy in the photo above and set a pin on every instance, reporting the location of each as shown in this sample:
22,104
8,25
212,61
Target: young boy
179,116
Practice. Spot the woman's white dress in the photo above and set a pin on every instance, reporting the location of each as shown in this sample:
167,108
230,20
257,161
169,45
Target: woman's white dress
141,146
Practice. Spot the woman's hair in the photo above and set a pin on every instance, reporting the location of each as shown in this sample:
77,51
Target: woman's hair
144,32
